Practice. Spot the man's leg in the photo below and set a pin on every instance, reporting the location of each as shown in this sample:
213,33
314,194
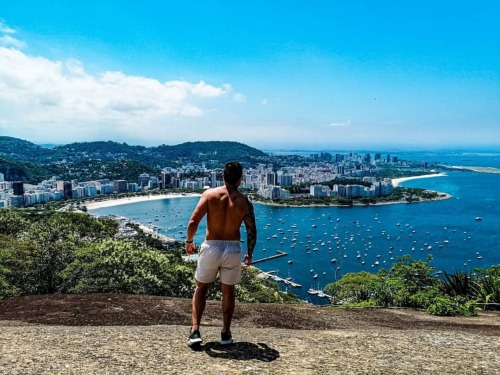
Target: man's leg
227,306
199,302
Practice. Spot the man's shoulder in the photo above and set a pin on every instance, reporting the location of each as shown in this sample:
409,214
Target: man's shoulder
214,193
211,191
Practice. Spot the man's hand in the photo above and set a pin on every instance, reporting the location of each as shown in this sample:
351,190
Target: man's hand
190,248
248,260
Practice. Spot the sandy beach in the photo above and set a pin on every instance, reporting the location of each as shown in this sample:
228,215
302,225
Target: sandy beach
397,181
136,199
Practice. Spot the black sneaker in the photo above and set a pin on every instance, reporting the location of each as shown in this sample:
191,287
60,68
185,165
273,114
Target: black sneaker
195,340
226,338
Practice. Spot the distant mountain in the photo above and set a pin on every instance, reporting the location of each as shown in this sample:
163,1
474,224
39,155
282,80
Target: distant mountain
222,151
15,170
91,160
18,149
163,155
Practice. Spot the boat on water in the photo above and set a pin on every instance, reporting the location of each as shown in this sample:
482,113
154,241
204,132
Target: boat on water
478,218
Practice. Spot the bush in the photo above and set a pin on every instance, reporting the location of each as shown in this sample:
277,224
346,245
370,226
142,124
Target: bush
6,289
354,287
19,268
408,283
486,287
451,306
456,284
122,267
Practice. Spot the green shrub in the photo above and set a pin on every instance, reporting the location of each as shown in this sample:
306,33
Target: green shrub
408,283
486,287
451,306
456,284
122,267
354,287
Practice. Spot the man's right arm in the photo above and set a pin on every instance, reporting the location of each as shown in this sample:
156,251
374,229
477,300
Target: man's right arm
251,228
198,213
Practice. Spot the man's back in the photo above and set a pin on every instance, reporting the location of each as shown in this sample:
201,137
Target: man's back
226,209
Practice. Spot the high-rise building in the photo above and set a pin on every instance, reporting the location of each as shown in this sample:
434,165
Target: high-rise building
143,179
213,180
66,187
120,186
166,179
2,178
18,187
286,180
271,178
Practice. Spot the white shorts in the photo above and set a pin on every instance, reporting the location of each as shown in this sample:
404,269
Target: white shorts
219,256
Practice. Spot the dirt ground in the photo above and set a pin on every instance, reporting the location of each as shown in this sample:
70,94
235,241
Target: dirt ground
125,334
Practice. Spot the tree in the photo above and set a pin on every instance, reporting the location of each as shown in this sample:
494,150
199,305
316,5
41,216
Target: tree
408,283
354,287
17,268
122,267
54,239
11,222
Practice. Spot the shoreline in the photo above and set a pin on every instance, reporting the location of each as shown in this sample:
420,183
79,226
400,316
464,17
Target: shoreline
443,196
137,199
397,181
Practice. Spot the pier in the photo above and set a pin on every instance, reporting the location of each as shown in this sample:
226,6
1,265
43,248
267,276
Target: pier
271,275
280,254
151,230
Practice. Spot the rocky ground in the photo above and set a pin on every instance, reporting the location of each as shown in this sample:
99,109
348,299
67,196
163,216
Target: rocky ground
123,334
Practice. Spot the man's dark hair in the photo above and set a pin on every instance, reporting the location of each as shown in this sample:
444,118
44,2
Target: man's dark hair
232,172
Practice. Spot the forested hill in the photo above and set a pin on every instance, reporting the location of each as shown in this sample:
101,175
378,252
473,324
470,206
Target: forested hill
26,161
17,149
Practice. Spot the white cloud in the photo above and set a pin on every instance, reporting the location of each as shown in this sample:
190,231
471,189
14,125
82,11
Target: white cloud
239,97
5,29
60,97
264,102
7,40
340,124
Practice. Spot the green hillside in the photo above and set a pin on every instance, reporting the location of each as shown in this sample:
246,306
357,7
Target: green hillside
28,162
19,149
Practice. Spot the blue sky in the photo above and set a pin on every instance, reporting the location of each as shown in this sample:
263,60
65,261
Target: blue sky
271,74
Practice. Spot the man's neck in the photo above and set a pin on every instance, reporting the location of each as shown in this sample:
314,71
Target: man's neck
231,188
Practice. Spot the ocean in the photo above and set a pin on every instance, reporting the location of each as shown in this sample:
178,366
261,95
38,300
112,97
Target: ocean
322,244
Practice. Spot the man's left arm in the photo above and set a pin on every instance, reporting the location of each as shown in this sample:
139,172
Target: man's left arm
251,228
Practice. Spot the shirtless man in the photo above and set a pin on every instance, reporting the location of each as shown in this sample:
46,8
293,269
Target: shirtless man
226,208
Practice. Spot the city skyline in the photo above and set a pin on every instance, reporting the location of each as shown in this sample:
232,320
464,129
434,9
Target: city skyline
286,75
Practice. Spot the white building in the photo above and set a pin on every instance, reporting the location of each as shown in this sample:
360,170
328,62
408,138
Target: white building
319,191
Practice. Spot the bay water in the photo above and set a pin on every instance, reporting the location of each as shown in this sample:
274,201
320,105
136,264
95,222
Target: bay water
324,243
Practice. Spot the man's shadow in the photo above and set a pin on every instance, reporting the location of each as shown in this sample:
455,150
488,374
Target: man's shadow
240,350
